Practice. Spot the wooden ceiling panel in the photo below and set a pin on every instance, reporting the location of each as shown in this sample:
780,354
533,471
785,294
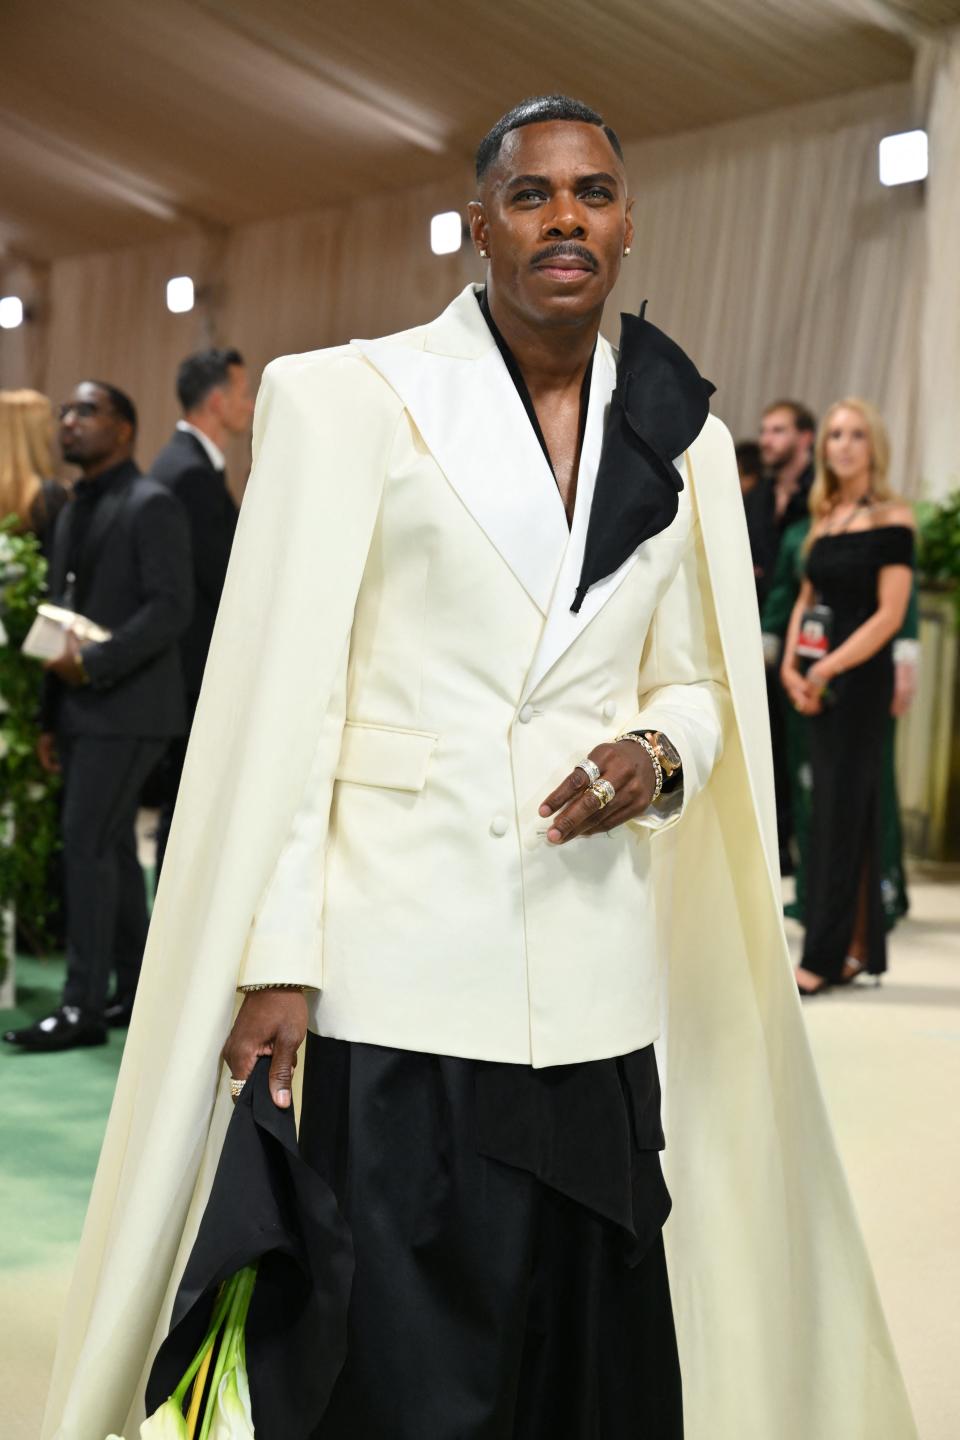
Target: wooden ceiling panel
123,120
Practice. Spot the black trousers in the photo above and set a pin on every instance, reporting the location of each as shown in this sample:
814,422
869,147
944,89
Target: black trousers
105,896
486,1304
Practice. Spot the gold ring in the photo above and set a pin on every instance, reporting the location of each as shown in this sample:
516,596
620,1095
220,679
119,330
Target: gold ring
235,1088
604,792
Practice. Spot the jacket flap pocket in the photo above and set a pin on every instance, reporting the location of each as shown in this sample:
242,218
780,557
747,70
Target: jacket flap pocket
383,755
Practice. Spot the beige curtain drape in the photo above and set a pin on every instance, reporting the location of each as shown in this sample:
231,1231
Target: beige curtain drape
767,247
269,288
23,352
940,341
771,252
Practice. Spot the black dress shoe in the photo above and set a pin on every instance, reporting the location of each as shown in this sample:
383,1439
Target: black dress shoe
118,1012
67,1028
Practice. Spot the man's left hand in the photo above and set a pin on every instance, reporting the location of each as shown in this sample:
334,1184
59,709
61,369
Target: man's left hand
629,769
69,667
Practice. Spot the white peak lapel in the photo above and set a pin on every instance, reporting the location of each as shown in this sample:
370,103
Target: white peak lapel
563,626
462,400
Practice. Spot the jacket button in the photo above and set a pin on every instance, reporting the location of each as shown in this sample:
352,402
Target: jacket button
609,709
499,825
526,715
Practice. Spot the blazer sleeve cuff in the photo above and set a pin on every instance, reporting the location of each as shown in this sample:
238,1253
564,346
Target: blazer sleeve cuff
694,725
97,665
283,960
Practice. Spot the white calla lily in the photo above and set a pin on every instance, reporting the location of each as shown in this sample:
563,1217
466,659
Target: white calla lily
167,1423
233,1417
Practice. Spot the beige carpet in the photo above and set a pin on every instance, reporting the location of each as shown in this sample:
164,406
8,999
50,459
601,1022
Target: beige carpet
890,1064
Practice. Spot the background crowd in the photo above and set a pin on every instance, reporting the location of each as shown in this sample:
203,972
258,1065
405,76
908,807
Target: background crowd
145,553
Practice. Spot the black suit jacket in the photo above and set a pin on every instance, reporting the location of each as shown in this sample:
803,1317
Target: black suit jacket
184,467
134,578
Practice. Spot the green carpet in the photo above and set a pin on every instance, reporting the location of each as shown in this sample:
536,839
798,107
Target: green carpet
52,1117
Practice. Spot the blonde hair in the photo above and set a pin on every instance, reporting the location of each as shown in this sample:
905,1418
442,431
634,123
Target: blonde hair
826,486
26,451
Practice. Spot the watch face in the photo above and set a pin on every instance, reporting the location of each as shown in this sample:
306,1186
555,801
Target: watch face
668,753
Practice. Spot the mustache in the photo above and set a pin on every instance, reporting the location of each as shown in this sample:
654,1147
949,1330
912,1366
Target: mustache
565,250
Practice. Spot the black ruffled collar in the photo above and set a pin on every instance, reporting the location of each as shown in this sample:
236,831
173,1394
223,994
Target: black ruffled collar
659,406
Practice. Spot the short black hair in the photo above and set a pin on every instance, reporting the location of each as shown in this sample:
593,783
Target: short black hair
120,402
803,417
535,110
749,459
202,372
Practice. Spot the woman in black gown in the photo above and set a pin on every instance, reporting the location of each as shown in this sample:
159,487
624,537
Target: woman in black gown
859,565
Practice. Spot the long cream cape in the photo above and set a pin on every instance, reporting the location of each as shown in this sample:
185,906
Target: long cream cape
780,1329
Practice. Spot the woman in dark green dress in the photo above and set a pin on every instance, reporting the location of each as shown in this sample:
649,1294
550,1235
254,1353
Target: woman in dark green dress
858,566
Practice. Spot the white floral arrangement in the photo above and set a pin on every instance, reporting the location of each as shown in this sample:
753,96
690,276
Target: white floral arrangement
215,1382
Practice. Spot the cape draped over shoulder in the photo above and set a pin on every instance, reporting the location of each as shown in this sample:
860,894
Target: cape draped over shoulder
779,1324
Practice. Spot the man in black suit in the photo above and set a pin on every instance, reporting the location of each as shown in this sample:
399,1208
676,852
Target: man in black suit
121,556
214,392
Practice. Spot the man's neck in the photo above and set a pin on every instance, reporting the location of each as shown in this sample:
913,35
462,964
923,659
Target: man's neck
550,358
100,467
788,474
209,425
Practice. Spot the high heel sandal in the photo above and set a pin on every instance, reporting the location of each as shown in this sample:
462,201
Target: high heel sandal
849,976
820,989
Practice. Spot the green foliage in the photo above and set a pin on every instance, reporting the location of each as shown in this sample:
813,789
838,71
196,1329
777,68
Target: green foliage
27,793
938,545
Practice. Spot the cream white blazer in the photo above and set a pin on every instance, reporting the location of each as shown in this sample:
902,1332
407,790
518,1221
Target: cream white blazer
395,682
415,890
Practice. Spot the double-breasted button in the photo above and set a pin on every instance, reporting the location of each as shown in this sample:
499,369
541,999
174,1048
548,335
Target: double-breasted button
526,715
609,709
499,825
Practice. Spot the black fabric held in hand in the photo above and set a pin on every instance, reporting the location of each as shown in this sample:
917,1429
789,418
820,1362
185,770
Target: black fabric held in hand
268,1204
658,408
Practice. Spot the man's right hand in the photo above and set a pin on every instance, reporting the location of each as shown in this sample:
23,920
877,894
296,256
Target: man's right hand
270,1022
47,752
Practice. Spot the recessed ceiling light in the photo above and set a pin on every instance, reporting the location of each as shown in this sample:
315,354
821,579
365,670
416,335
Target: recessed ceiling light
903,157
180,294
446,233
11,312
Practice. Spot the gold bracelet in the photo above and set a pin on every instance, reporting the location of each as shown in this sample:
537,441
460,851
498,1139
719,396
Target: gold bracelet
639,739
271,985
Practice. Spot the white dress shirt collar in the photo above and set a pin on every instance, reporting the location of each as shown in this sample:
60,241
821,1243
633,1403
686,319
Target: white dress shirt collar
214,454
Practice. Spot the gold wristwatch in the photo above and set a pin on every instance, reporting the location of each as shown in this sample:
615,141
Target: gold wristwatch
666,753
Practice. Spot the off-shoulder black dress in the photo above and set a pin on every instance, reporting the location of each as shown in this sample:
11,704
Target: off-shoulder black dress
846,753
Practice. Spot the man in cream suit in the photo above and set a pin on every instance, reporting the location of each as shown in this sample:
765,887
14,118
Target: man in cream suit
547,712
514,825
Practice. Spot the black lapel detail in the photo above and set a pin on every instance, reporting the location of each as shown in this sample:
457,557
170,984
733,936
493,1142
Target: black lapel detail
659,406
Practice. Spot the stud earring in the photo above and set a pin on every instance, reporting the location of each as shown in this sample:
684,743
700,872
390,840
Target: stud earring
626,249
484,254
